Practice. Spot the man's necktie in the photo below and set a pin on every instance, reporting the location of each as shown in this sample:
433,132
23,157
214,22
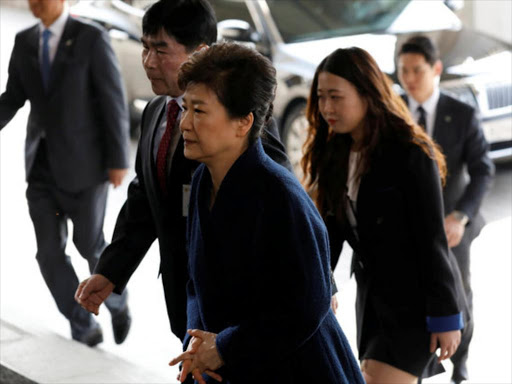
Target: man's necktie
422,121
45,59
173,110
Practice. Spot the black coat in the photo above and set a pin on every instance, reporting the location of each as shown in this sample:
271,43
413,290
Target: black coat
148,215
405,273
458,131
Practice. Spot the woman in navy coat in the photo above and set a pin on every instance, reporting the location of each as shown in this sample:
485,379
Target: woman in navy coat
259,290
377,180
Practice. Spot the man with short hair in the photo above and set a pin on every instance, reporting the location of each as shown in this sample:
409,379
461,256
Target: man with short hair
77,139
455,126
157,204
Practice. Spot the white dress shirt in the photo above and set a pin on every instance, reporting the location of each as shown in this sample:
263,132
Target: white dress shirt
56,29
429,106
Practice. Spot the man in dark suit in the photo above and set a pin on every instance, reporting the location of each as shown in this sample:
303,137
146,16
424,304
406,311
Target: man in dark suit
157,204
455,126
77,139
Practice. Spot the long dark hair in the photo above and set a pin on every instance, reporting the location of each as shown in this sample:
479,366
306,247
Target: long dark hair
325,161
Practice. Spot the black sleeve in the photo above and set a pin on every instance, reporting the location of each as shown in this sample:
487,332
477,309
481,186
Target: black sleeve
106,79
273,146
133,234
425,207
480,168
14,96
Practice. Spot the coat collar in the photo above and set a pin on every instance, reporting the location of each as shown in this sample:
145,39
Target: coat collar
237,177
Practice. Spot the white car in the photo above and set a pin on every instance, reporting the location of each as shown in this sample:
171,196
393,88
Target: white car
297,34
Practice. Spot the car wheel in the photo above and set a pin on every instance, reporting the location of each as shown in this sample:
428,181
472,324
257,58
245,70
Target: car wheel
295,131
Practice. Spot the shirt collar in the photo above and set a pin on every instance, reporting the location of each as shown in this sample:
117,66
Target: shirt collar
428,105
57,28
178,100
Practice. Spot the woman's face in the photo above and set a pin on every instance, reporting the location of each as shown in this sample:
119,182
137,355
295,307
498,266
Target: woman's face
209,133
340,105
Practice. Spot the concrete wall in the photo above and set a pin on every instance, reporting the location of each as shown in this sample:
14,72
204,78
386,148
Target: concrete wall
492,17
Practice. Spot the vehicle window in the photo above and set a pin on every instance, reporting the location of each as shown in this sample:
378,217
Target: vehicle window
301,20
232,9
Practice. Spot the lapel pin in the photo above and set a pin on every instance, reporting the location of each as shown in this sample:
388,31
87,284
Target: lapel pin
69,42
448,118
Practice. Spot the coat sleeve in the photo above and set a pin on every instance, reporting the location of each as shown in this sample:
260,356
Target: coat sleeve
425,204
14,96
289,284
106,80
273,146
336,238
133,234
480,168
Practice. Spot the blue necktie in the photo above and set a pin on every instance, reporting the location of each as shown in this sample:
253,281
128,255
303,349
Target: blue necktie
45,59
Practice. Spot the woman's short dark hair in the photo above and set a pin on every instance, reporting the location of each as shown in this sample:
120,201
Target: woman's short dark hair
243,80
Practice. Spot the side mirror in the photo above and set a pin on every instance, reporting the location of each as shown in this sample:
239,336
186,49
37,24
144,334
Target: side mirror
116,34
454,5
237,30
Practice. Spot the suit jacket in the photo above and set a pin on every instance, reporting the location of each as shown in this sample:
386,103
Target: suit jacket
262,240
405,274
458,131
148,215
83,114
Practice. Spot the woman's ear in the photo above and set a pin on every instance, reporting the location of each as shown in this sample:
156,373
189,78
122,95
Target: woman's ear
245,124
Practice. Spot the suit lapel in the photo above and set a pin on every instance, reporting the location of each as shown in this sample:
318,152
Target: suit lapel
64,53
32,51
147,142
443,120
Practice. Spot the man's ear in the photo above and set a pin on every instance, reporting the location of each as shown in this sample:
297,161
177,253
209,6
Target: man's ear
201,46
244,125
438,67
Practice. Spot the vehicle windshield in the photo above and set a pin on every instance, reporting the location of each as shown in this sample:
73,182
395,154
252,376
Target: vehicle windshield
302,20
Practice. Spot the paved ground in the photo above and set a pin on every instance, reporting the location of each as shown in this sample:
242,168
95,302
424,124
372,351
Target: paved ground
26,302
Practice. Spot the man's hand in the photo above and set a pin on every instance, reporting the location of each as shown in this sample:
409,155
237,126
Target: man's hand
201,357
93,291
448,342
454,230
116,176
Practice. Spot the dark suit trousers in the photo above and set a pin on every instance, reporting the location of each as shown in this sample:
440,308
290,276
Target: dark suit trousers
49,208
462,256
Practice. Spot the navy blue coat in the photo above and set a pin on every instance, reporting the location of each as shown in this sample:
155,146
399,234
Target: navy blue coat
260,277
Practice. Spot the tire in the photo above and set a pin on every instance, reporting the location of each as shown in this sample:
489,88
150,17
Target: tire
295,130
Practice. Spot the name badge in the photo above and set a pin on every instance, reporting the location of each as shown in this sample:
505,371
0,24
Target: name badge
186,199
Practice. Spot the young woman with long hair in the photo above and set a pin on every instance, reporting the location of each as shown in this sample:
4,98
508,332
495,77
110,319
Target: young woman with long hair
376,179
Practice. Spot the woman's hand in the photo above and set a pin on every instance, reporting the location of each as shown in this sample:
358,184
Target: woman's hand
201,357
448,342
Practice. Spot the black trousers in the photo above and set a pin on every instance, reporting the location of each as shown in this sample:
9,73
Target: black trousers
462,256
50,208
